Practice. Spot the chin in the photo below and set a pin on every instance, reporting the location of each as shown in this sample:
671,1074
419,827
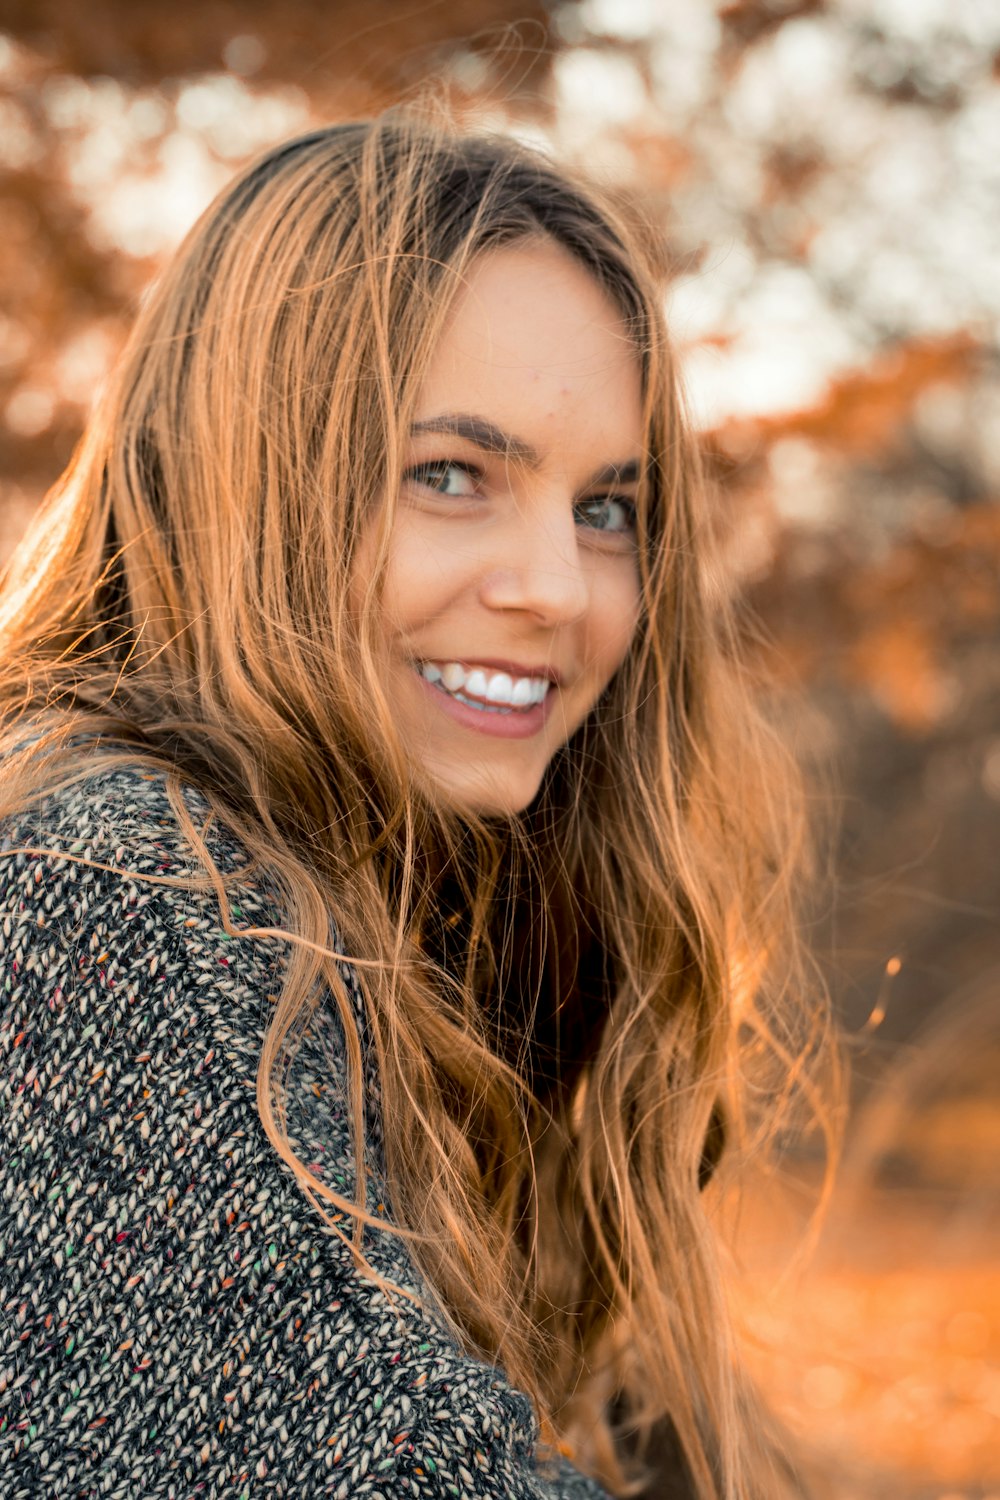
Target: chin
487,798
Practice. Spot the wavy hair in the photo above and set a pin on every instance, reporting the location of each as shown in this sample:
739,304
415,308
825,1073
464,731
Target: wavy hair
570,1008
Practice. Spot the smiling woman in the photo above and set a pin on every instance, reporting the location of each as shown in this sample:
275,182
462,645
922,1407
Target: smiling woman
397,876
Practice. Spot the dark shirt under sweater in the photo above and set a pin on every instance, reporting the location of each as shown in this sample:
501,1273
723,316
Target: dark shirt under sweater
177,1321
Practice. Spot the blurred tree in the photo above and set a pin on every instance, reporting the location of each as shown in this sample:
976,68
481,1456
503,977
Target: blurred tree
136,89
358,51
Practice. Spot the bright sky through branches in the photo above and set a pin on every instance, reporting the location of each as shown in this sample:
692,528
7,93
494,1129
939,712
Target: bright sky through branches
891,232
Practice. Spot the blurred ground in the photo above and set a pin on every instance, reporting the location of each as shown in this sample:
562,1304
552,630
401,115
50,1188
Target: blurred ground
889,1362
883,1354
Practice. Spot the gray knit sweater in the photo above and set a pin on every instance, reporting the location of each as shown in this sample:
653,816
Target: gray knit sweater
176,1319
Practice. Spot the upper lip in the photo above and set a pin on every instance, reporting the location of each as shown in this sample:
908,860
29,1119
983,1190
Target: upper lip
513,668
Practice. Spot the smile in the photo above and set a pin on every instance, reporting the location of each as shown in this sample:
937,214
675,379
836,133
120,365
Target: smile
486,690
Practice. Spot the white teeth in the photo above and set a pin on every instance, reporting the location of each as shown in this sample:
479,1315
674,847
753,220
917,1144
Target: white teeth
500,688
496,687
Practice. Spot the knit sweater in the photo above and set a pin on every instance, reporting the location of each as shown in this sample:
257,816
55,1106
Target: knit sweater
177,1319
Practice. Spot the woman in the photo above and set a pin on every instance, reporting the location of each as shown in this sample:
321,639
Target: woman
396,874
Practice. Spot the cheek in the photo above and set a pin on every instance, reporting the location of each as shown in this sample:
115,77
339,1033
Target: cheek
422,578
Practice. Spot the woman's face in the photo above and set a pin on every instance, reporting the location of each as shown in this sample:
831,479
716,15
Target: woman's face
512,590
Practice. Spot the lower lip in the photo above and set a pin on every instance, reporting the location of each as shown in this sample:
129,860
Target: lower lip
519,724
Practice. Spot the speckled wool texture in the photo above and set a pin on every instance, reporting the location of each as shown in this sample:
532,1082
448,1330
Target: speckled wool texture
176,1319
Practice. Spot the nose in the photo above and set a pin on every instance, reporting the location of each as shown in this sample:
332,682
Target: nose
537,568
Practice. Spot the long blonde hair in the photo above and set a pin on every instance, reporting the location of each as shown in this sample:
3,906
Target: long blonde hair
569,1008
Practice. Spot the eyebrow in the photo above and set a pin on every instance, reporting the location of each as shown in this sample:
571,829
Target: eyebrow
492,439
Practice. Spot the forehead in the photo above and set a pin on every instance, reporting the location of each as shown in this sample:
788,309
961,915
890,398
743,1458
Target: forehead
535,338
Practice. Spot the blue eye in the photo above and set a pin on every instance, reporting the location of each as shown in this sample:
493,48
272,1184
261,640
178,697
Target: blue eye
445,478
611,513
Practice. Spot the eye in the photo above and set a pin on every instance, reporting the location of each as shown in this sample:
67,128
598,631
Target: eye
445,477
611,513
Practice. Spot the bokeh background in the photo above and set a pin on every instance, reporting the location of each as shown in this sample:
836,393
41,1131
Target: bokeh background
827,179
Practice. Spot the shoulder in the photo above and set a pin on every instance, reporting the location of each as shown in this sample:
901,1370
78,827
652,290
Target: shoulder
116,964
104,898
107,960
111,929
120,814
